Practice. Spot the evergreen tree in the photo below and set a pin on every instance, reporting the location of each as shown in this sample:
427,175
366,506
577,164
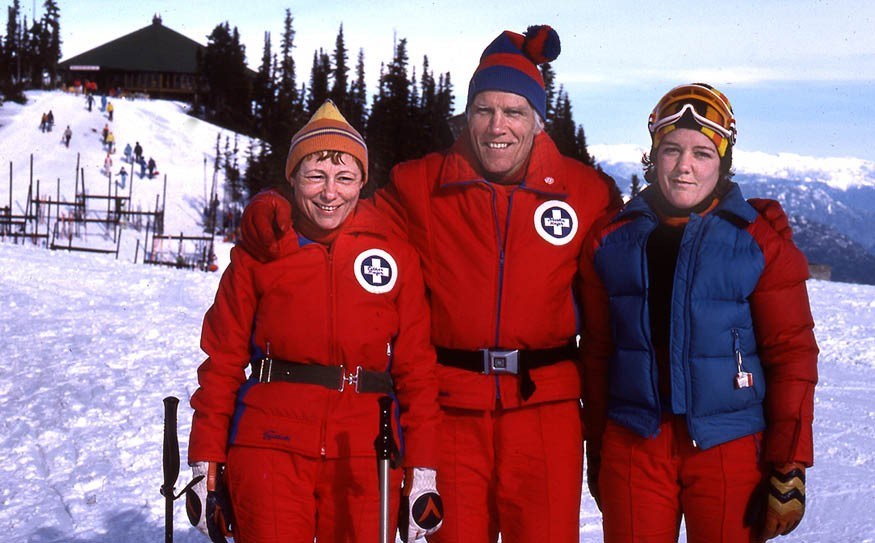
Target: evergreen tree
582,150
444,105
635,188
318,81
12,48
264,91
391,132
289,101
340,86
223,66
358,96
549,76
51,24
561,127
285,116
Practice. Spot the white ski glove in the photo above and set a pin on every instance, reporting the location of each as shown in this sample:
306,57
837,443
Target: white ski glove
207,503
422,511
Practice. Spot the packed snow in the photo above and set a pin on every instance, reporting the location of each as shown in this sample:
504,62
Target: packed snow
93,345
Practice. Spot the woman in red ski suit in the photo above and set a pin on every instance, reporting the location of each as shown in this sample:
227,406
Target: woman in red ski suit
699,356
336,318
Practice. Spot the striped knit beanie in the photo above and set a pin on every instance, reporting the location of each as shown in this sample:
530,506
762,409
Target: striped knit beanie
510,64
327,130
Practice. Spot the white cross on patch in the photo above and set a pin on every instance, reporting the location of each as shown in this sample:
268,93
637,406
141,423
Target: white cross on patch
376,271
557,222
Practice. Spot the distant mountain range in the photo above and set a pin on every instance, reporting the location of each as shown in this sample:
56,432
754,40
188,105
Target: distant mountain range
830,202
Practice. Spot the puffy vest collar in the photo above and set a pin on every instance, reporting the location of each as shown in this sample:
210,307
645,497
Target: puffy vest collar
731,202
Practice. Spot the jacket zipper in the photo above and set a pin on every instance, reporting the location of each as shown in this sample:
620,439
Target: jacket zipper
329,253
697,240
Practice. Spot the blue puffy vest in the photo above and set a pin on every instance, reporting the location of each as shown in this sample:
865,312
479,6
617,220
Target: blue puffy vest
718,267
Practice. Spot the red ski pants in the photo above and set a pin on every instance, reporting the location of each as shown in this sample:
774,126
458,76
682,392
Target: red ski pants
516,471
283,497
648,484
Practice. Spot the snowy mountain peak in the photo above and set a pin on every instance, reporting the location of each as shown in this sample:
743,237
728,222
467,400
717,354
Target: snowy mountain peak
837,172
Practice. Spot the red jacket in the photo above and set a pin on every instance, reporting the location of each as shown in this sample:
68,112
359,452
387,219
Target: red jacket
500,273
311,305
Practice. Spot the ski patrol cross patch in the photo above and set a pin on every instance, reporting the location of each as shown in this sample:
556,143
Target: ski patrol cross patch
376,271
556,222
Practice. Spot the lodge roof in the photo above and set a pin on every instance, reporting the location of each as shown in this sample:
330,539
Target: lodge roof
153,48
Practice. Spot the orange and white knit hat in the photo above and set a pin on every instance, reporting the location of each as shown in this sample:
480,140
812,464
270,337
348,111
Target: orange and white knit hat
327,130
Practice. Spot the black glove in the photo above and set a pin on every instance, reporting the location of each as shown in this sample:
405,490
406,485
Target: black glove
593,466
778,505
208,504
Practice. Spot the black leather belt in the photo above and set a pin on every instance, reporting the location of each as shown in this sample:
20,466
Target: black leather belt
268,370
508,361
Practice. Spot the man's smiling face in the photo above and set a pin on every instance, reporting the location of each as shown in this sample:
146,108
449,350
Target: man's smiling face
502,127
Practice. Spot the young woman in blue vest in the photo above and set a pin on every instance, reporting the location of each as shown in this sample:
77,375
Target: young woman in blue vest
699,356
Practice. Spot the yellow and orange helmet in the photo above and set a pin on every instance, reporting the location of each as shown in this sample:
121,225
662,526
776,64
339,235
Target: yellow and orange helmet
698,106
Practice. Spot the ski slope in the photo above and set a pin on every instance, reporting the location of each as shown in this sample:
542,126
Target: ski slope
92,345
183,147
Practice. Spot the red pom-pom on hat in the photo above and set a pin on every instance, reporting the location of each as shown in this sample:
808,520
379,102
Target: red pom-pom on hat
542,44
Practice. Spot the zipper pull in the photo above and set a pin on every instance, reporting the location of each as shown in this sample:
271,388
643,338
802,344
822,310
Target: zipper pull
743,379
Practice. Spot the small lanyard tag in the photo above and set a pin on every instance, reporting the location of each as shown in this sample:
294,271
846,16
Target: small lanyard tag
743,379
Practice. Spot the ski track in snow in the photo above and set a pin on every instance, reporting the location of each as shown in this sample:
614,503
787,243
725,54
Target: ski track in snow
92,346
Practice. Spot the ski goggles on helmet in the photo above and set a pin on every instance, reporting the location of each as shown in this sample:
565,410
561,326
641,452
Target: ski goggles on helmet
697,106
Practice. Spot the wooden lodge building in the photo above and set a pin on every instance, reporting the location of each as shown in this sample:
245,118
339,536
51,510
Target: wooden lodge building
154,60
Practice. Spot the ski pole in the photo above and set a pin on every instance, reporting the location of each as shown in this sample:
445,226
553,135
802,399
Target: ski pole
385,446
171,466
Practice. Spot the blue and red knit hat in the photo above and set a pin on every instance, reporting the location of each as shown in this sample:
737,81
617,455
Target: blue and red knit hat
510,64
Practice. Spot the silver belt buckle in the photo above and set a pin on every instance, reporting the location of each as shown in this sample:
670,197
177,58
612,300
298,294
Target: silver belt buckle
496,361
265,375
351,379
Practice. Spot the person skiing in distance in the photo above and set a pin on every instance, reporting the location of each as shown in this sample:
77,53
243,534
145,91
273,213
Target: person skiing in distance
699,358
67,135
300,459
123,175
109,110
138,152
50,121
89,100
128,152
107,164
43,122
151,167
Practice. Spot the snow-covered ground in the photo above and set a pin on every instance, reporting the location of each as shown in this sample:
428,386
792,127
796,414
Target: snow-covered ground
92,345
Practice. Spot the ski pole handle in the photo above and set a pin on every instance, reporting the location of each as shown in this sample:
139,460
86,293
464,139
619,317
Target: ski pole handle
171,464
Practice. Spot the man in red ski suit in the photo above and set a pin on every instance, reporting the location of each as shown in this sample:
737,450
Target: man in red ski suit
335,318
498,220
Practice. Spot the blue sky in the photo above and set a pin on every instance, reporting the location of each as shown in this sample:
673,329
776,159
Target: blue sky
800,73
